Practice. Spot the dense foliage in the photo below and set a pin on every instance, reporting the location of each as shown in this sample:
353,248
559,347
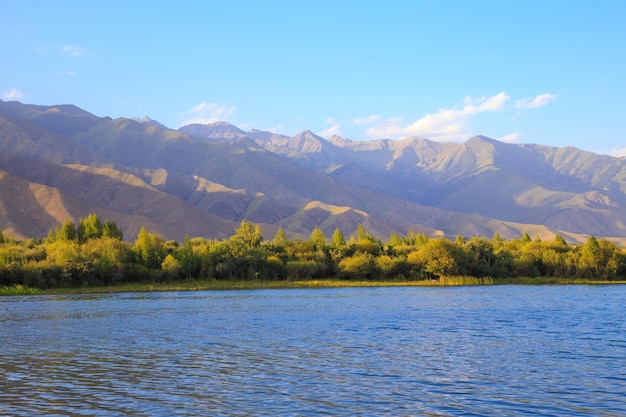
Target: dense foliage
94,253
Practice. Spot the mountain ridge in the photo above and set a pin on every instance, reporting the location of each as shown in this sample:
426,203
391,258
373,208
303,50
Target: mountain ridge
220,174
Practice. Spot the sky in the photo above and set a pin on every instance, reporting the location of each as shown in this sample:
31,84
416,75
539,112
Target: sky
547,72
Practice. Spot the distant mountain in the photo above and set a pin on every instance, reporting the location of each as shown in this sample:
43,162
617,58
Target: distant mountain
148,121
61,162
217,130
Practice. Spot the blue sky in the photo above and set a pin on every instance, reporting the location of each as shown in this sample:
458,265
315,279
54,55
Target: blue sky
548,72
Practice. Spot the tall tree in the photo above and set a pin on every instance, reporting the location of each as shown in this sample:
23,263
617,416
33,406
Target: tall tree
67,231
280,238
89,227
590,254
150,249
395,240
558,239
189,262
110,229
250,234
318,238
362,235
338,239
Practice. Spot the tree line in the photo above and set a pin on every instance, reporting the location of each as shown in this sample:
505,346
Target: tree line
93,253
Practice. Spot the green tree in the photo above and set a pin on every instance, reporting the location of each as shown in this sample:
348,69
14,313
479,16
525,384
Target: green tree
89,227
392,267
359,266
338,240
480,257
362,235
558,239
395,240
109,257
67,231
171,266
600,258
110,229
280,238
189,262
63,253
249,234
438,257
318,238
590,257
416,239
150,249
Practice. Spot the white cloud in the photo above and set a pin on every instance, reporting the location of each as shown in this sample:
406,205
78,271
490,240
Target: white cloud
333,130
479,105
534,102
618,152
512,138
14,94
445,125
366,120
204,113
74,51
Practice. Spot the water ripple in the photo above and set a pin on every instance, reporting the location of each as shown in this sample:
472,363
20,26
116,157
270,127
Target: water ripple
476,351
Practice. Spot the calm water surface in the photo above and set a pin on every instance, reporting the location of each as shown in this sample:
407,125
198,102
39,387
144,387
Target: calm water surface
470,351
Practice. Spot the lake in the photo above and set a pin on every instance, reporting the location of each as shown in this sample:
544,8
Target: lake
402,351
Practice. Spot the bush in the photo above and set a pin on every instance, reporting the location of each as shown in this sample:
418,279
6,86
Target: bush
360,266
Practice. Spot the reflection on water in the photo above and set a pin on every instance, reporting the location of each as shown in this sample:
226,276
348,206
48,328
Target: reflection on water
371,351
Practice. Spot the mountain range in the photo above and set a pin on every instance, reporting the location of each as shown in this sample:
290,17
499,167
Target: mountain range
62,162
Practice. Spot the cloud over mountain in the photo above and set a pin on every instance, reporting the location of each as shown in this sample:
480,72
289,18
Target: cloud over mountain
204,113
445,125
13,94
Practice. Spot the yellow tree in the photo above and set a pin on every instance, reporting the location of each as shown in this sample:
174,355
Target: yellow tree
150,249
249,234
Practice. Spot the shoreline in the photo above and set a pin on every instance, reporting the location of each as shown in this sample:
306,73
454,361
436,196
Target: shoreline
213,285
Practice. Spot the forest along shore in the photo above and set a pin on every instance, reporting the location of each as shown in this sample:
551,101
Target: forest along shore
94,254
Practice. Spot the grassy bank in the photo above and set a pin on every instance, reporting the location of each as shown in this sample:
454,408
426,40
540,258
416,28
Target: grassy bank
198,285
18,290
554,281
201,285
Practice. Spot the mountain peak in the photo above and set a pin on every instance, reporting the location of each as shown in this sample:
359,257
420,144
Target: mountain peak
482,142
309,142
483,139
222,124
215,130
148,121
307,134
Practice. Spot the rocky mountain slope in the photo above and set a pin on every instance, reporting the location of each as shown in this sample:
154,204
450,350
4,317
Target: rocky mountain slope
60,162
562,188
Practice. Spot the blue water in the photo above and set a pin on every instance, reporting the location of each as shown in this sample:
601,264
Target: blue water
466,351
